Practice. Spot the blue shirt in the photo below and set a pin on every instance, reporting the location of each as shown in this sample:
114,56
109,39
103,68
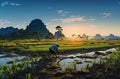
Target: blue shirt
54,48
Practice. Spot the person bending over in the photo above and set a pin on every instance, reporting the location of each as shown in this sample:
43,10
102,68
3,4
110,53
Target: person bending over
53,49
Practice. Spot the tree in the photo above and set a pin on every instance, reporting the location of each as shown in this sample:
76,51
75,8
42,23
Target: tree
59,34
59,28
85,37
73,35
79,36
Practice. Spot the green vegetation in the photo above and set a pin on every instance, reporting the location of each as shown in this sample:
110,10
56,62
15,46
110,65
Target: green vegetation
109,69
38,66
41,46
28,76
8,72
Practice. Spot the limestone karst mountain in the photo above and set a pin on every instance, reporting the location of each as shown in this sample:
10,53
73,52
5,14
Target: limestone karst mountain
35,30
38,26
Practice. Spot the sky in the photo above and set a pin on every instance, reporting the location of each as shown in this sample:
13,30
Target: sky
74,16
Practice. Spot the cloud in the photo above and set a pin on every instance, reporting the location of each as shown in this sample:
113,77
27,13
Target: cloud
14,4
107,14
62,12
69,20
73,16
92,19
3,4
4,23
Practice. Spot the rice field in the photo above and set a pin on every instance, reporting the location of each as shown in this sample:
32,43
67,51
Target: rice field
26,46
38,66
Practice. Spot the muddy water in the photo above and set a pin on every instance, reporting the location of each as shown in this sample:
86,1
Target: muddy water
4,60
80,61
2,55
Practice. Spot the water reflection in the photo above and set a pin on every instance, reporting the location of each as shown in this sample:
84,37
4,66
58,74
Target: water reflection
81,63
4,60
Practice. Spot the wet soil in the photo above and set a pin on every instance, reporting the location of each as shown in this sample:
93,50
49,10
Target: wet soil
47,71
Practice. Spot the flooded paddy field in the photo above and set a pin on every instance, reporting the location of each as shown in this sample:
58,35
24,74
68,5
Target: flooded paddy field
76,61
6,60
80,61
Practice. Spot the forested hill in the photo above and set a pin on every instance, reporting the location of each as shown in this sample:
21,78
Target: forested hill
36,29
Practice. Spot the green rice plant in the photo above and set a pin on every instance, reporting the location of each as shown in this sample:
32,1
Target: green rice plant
100,62
36,61
94,62
14,67
87,65
28,76
68,68
7,72
81,69
74,65
1,73
32,64
43,70
115,60
26,66
71,68
20,66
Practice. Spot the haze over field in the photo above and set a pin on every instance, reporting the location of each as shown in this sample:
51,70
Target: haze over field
74,16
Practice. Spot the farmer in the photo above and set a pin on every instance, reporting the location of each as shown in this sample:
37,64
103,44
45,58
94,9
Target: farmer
53,49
